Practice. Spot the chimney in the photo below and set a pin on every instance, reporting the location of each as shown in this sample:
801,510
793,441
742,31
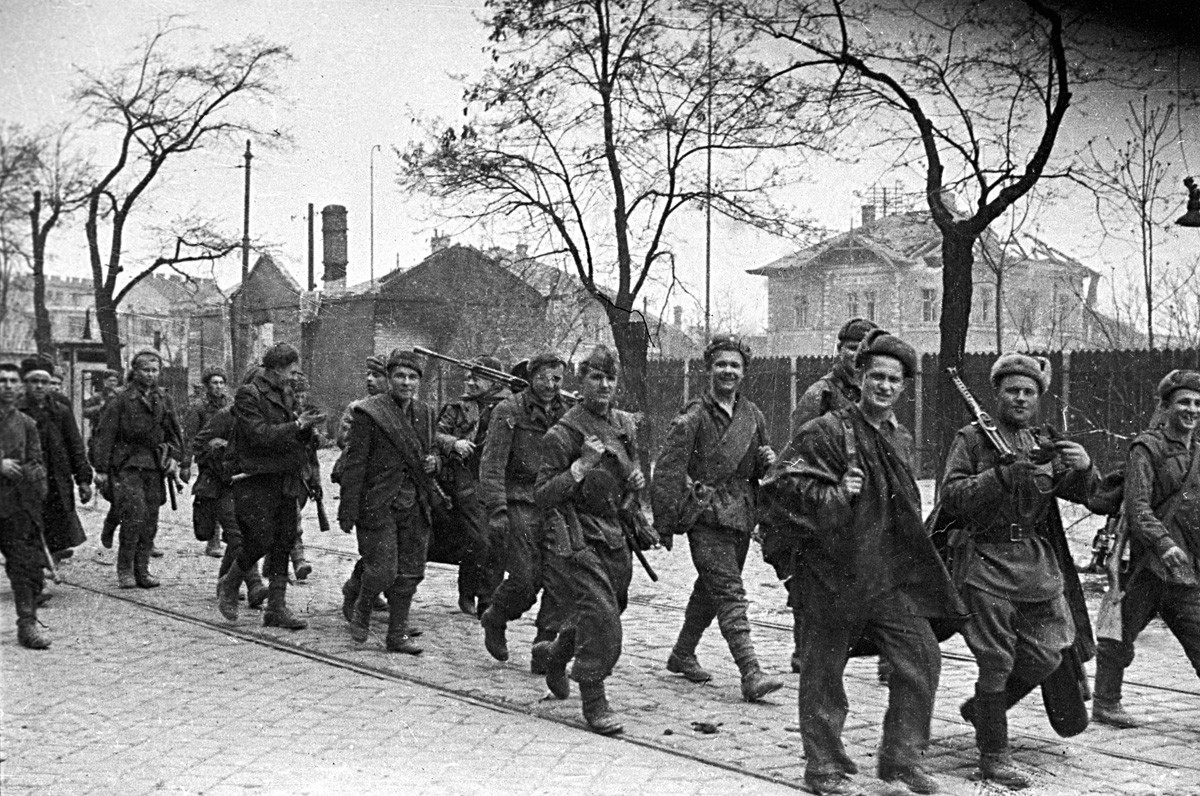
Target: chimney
438,242
333,238
868,214
679,316
522,251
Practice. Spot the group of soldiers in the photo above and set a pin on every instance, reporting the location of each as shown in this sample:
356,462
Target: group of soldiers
549,498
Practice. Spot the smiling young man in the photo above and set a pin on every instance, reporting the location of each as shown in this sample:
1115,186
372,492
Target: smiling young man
1011,563
1162,506
866,568
386,498
705,486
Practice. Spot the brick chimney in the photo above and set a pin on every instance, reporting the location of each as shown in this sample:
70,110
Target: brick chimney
679,316
438,242
333,238
868,214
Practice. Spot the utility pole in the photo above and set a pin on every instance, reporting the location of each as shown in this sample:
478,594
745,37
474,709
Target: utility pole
372,159
246,220
312,267
708,189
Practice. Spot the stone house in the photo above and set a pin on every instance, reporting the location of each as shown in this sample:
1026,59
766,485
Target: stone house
889,270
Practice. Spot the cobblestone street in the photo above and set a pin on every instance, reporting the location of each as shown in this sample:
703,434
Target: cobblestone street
152,691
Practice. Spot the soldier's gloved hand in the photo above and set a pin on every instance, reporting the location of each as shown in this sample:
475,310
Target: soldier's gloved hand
464,448
591,453
853,481
85,493
636,479
1073,455
1019,473
766,456
431,463
346,526
11,469
1175,559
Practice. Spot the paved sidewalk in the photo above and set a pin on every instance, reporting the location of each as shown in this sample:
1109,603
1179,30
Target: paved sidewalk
200,705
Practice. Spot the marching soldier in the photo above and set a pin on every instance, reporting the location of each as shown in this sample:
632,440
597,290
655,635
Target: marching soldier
271,454
589,468
66,462
22,491
1162,508
867,570
838,388
388,495
105,385
1010,556
705,486
137,445
466,420
508,471
205,514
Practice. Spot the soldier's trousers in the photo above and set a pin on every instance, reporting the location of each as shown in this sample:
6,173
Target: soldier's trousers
231,534
22,549
1021,640
393,554
829,629
138,495
266,514
1148,596
477,577
526,554
210,515
599,577
719,556
62,528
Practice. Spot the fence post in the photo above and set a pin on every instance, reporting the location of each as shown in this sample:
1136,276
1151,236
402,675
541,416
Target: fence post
1066,392
686,397
918,408
791,394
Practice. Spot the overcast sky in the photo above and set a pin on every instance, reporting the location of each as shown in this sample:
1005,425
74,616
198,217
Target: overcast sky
361,68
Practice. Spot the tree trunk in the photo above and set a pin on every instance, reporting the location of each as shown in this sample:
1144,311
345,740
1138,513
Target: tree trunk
42,333
629,333
998,305
106,322
958,259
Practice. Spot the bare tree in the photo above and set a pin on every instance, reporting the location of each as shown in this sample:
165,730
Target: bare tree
19,159
161,110
596,124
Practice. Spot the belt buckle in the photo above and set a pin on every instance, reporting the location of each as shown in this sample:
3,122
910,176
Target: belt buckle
1015,532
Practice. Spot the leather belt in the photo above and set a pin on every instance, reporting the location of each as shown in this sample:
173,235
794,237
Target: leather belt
1004,534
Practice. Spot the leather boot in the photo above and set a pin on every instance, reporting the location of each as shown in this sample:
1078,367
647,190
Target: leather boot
755,683
493,634
29,634
256,590
277,613
1015,690
350,591
141,570
599,716
688,666
360,618
228,586
125,564
1106,704
109,530
991,736
398,639
553,657
536,666
213,548
299,564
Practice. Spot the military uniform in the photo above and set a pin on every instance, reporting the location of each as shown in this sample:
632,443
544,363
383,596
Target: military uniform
705,486
468,419
512,455
837,389
21,502
586,536
387,498
136,423
66,466
207,514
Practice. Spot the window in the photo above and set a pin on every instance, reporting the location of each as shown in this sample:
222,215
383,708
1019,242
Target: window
870,299
852,304
929,305
987,299
1027,312
800,308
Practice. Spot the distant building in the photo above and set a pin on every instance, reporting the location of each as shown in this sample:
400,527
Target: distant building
264,310
889,270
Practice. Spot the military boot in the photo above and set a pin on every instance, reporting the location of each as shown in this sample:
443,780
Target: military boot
553,657
1015,690
991,736
277,613
141,570
493,634
688,666
350,591
125,564
256,590
228,586
682,659
536,666
300,564
599,716
755,683
360,617
213,548
109,530
398,638
29,634
1106,705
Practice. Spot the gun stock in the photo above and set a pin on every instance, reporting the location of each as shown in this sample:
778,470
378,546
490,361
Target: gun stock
322,517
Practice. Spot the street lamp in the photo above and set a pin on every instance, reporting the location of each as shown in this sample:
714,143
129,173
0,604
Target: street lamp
372,159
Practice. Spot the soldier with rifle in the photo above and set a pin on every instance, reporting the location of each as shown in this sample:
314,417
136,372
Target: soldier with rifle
1162,511
589,469
706,486
508,469
466,420
388,497
138,450
1010,561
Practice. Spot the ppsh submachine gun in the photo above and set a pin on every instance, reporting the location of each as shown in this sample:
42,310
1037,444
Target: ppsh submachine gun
514,382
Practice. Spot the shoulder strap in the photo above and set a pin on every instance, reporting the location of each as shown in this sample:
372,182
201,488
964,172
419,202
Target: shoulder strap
1172,503
851,442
